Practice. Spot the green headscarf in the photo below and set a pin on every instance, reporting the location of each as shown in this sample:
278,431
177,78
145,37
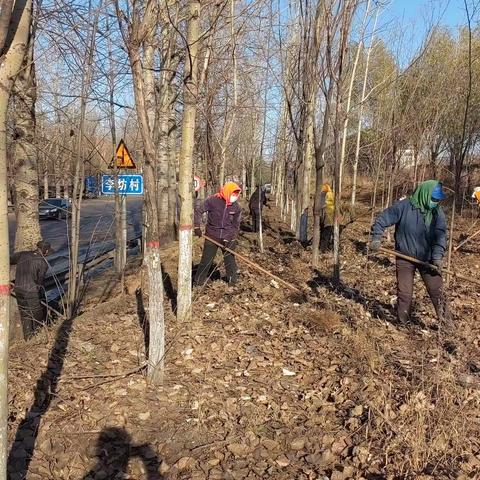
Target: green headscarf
422,197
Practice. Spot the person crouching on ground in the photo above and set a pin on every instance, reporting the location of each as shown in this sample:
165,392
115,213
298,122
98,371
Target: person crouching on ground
223,223
420,232
29,291
257,201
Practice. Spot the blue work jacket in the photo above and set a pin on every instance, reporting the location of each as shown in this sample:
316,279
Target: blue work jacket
412,236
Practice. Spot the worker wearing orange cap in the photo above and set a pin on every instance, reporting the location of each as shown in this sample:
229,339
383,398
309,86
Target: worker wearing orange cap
223,223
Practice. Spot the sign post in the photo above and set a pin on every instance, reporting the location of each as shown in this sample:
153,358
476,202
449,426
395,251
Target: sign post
122,160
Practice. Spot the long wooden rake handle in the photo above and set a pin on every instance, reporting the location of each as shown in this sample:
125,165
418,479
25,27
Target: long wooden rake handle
254,265
387,251
461,244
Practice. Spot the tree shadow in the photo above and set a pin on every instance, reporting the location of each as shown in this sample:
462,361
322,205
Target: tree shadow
361,247
114,450
213,273
143,319
376,308
246,228
23,447
169,289
286,233
142,316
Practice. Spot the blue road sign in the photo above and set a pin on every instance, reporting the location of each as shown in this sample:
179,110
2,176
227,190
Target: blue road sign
127,184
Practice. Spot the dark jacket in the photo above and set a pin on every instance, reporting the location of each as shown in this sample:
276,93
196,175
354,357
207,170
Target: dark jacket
31,270
412,237
223,221
257,200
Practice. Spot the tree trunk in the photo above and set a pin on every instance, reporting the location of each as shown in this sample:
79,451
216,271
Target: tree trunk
360,113
120,258
78,180
305,176
18,30
184,296
45,179
163,173
152,261
346,18
25,161
319,166
172,175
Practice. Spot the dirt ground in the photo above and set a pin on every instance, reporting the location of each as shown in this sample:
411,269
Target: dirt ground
263,383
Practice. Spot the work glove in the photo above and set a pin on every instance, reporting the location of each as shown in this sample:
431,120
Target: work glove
437,263
375,245
198,232
231,244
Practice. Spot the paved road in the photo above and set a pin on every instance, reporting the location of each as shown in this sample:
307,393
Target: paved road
97,229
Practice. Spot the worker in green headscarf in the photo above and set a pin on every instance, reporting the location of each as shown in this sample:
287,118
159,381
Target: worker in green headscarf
420,232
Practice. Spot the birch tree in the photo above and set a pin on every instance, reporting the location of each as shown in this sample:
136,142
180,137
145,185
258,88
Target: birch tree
15,21
190,89
25,166
135,28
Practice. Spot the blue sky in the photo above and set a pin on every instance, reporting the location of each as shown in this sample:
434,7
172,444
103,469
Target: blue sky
447,12
404,24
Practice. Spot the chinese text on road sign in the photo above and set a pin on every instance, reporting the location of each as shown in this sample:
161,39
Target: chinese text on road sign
127,184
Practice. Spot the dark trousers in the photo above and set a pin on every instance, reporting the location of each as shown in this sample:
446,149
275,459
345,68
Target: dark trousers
432,280
32,312
208,255
255,220
326,238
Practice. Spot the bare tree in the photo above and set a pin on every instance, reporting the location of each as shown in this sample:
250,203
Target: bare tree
15,21
135,29
79,175
25,157
184,297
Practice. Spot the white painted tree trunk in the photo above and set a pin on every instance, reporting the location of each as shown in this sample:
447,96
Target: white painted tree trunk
184,296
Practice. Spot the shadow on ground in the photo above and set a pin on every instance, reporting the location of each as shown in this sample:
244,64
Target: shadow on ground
114,450
361,247
23,446
376,308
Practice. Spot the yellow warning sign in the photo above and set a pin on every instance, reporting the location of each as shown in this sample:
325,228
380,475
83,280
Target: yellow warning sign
123,159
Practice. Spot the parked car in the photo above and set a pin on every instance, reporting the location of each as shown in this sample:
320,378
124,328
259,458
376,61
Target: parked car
56,208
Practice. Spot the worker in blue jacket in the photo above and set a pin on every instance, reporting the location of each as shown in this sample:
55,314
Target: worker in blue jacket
420,232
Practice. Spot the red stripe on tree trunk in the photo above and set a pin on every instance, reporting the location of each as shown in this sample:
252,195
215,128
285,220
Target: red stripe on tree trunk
182,228
5,289
153,244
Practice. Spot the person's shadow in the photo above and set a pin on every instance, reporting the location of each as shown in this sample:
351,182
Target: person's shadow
114,450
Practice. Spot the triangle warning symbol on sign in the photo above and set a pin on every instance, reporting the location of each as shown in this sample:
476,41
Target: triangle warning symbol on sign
123,159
